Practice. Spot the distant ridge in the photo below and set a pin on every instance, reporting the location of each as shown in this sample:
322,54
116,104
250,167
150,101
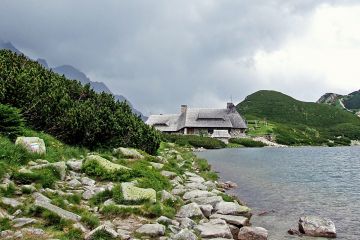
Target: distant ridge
350,102
71,72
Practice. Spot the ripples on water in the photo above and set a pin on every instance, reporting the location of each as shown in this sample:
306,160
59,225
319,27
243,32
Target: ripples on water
293,182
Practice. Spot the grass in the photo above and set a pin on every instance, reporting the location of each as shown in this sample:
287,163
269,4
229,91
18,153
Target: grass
46,177
246,142
5,224
90,220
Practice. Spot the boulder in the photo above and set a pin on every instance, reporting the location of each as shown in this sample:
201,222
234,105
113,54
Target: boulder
239,221
107,227
185,234
40,197
197,193
190,210
20,222
132,193
317,227
231,208
187,223
215,228
213,201
11,202
196,186
33,231
74,165
87,181
128,153
32,144
168,174
104,163
74,183
59,211
167,196
206,209
253,233
196,179
152,230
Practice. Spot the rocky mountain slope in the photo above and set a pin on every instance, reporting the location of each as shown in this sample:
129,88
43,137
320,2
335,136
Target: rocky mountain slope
72,73
350,102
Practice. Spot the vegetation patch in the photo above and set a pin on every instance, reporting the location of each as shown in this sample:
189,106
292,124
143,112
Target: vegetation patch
247,142
194,141
46,177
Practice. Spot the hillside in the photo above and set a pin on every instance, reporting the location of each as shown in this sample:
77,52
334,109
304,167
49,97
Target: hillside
295,122
350,102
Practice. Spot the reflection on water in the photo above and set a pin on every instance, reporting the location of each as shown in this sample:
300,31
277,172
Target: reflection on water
293,182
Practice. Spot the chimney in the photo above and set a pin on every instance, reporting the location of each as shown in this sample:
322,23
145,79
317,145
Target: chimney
183,108
230,106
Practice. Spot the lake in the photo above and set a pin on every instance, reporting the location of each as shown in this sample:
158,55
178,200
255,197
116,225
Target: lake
291,182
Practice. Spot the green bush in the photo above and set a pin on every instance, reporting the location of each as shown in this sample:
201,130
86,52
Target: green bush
11,121
194,141
149,177
247,142
73,113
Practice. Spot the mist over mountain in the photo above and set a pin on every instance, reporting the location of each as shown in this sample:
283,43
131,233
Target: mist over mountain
71,72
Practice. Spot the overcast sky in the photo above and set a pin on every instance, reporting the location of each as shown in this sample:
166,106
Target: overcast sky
163,53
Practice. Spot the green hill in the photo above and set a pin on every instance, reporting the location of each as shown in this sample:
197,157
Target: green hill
71,112
301,123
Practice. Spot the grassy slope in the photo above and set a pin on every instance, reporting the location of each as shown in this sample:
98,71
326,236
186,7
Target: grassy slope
295,122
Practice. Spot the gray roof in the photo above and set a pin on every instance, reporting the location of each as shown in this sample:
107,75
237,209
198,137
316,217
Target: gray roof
198,118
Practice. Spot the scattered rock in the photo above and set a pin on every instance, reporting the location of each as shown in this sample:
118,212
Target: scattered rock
87,181
157,165
164,220
132,193
253,233
195,186
153,230
128,153
75,165
215,228
33,231
74,183
106,164
239,221
29,188
206,209
167,196
197,193
317,227
20,222
190,210
59,211
213,201
11,202
168,174
107,227
124,234
187,223
231,208
40,197
185,234
32,144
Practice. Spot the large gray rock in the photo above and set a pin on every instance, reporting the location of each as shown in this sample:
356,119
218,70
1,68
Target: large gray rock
195,186
215,228
167,196
213,201
190,210
59,211
104,163
128,153
107,227
206,209
33,231
153,230
231,208
235,220
75,165
40,197
197,193
132,193
253,233
20,222
32,144
185,234
11,202
74,183
317,227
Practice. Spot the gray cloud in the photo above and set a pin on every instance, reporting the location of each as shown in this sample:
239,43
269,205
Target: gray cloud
161,54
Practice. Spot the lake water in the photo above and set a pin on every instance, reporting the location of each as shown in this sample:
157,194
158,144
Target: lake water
291,182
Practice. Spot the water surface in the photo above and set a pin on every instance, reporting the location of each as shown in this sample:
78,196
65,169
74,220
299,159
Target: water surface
291,182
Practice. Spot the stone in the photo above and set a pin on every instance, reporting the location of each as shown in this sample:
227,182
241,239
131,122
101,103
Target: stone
210,184
104,163
153,230
123,234
206,209
165,196
11,202
253,233
128,153
74,165
187,223
132,193
185,234
215,228
20,222
231,208
189,210
33,231
234,230
29,188
197,193
40,197
174,229
157,165
239,221
196,186
7,234
17,212
109,202
74,183
317,227
164,220
59,211
213,201
178,190
87,194
3,214
196,179
107,227
81,227
32,144
61,168
87,181
168,174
